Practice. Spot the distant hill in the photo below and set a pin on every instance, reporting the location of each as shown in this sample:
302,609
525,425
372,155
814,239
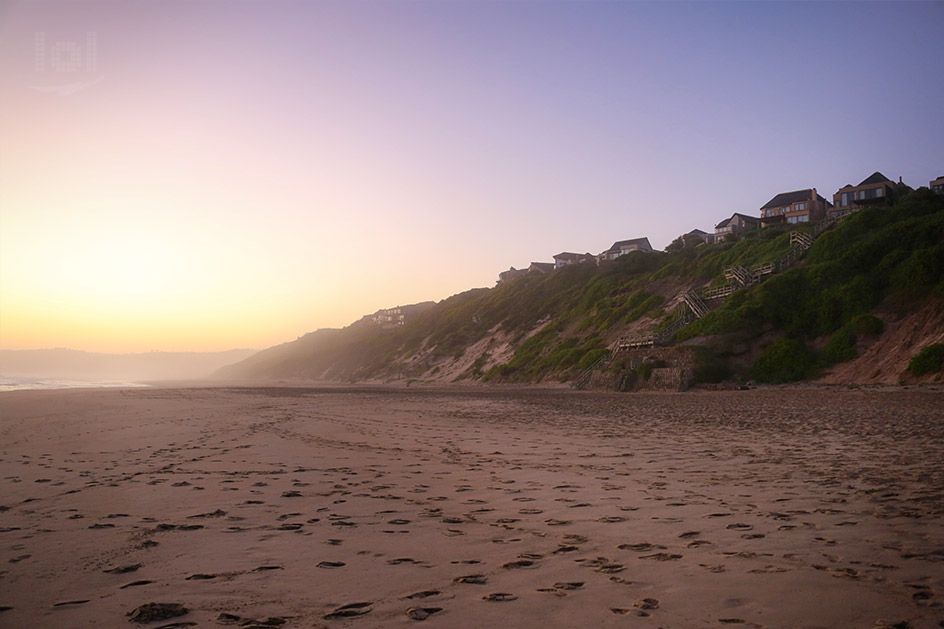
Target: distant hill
856,304
79,365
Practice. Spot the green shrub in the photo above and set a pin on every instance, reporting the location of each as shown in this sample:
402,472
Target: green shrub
650,303
928,360
867,324
840,347
498,372
645,371
924,267
722,321
591,357
786,360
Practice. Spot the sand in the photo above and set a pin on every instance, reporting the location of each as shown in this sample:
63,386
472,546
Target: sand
452,508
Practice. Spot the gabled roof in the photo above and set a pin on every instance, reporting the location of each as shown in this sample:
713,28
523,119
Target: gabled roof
567,255
875,177
619,244
696,232
744,217
786,198
541,266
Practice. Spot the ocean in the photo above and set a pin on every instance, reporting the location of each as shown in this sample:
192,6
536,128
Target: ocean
22,383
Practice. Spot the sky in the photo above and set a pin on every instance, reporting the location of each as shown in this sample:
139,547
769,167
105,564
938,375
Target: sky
200,176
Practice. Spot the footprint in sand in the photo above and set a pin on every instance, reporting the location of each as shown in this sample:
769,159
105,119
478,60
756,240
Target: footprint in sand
422,613
122,569
564,549
499,597
662,556
699,542
641,547
396,562
524,563
472,579
560,589
423,594
349,610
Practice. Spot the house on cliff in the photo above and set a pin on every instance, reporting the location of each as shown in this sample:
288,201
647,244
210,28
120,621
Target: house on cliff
541,267
876,189
567,258
510,274
732,228
799,206
937,186
622,247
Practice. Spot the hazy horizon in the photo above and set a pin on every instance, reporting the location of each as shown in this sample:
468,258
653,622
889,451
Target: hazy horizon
202,177
21,368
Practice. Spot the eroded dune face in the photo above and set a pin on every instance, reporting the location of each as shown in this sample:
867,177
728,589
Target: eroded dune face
301,507
884,360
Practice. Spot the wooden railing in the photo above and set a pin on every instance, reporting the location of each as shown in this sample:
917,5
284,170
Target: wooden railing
693,305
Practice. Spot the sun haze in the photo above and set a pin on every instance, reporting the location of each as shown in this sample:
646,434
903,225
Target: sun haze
183,177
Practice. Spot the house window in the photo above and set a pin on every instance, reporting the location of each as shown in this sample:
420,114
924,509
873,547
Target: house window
799,206
879,192
803,218
845,198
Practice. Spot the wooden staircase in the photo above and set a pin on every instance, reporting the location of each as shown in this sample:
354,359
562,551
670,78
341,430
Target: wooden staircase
718,292
694,301
741,275
802,239
693,305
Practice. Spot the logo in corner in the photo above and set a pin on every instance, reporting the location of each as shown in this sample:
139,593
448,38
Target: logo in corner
66,59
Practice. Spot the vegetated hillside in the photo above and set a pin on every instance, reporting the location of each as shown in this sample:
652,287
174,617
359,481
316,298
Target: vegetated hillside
859,278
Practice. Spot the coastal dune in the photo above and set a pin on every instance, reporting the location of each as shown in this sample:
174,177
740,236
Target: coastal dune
460,507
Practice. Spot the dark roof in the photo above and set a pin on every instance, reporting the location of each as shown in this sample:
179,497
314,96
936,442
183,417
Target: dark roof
744,217
786,198
619,244
875,177
542,266
697,232
567,255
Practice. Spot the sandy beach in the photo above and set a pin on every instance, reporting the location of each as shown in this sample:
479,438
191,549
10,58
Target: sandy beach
364,507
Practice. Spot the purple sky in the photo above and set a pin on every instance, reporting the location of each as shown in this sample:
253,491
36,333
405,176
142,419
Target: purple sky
288,166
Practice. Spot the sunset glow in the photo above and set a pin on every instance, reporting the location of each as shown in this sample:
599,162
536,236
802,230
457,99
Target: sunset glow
184,178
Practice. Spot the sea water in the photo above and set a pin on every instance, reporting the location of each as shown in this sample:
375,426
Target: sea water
21,383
